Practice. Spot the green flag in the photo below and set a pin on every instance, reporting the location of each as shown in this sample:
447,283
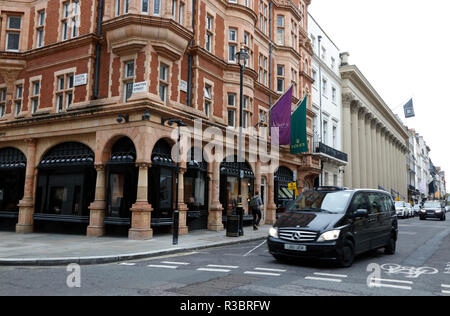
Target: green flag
299,140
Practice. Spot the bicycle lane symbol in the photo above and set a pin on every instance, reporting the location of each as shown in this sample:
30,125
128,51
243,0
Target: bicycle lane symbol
406,271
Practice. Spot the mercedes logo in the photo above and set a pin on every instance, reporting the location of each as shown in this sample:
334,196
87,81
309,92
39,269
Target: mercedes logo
297,236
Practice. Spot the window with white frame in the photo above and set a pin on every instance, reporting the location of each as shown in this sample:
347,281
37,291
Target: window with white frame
280,30
324,86
231,102
13,26
163,82
247,106
325,132
64,93
174,9
263,16
280,78
157,7
294,81
35,95
209,33
232,45
334,94
70,19
40,28
294,36
263,69
334,137
2,102
181,13
208,100
18,99
314,76
128,79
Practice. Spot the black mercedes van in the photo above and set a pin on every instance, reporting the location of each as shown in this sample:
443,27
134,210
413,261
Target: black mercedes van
335,223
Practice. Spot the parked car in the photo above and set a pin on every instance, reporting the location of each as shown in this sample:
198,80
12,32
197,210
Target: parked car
433,209
335,224
447,208
403,209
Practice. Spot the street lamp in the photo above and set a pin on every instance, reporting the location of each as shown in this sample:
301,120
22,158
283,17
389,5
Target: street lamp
176,213
242,57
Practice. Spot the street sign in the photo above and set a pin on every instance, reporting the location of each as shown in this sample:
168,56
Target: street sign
140,87
80,80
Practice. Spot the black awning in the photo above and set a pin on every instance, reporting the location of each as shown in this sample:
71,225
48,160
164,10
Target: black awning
68,154
12,158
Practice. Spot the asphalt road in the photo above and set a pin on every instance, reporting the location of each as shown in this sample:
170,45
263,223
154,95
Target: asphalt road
421,267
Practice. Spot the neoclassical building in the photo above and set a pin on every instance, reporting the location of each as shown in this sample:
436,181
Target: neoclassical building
377,143
84,86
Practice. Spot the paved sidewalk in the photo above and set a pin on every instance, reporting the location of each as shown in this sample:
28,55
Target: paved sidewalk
56,249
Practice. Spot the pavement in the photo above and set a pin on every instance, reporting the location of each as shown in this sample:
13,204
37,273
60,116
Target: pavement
41,249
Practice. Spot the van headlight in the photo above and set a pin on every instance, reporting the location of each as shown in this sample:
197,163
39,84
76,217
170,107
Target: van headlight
329,236
273,232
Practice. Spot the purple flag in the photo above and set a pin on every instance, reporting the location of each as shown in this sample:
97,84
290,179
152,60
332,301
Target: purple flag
280,119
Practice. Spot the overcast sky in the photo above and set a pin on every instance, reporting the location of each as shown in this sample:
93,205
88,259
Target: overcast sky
403,49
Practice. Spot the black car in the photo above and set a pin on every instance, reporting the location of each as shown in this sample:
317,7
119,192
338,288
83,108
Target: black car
432,209
335,224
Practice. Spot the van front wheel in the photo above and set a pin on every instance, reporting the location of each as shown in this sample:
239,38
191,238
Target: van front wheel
347,255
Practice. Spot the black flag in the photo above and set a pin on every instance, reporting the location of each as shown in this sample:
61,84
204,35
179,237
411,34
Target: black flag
409,109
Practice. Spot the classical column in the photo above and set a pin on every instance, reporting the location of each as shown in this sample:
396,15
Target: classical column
271,213
26,205
369,153
347,138
362,148
97,208
215,208
379,168
355,167
182,207
373,131
386,161
141,210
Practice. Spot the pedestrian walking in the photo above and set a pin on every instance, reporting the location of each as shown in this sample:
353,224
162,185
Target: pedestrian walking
255,204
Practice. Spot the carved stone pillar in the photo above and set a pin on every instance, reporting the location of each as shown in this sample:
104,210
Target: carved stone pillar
97,208
355,169
215,208
347,137
182,207
26,205
141,210
271,213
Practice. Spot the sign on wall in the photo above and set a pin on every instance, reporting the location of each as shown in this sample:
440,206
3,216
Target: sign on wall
80,80
183,86
140,87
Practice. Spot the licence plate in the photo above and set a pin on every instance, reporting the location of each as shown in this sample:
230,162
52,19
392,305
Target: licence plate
295,247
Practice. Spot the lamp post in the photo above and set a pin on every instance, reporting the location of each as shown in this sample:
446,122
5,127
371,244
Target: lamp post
176,213
242,57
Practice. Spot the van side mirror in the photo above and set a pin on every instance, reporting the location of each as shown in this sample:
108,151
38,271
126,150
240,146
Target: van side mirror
361,213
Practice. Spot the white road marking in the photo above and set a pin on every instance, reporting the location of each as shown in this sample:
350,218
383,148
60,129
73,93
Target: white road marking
445,292
213,270
270,270
176,263
323,279
220,266
331,275
127,264
161,266
445,285
408,233
255,248
393,281
262,273
375,284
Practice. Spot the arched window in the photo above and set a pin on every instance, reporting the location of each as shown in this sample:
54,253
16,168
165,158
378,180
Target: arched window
283,176
66,184
12,180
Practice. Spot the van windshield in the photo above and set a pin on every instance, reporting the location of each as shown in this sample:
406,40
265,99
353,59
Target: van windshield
313,201
432,204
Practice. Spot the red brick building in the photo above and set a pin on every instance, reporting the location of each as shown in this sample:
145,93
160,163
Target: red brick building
78,146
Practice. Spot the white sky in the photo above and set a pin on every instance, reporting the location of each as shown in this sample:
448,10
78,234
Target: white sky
403,48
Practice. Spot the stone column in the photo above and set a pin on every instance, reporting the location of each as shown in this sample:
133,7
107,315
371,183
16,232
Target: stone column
373,130
141,210
369,153
215,208
271,213
347,138
182,207
355,167
386,160
97,208
379,170
362,148
26,205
